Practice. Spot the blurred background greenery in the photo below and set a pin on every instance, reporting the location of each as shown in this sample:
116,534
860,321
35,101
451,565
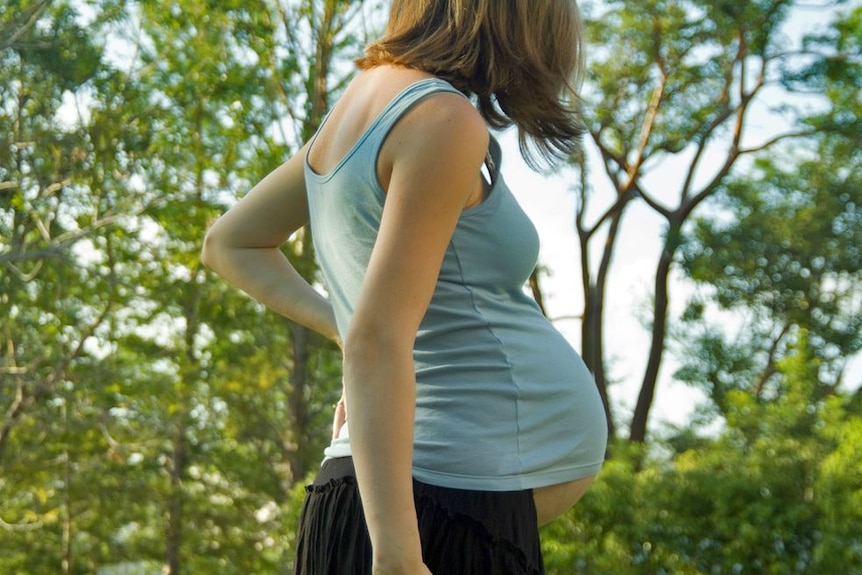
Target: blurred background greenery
153,420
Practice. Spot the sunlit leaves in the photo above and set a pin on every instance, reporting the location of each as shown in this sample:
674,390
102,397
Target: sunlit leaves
789,255
148,381
778,491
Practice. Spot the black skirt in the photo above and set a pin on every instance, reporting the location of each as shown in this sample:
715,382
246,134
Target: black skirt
463,532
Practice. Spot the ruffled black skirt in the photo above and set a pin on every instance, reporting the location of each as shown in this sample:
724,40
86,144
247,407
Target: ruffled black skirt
463,532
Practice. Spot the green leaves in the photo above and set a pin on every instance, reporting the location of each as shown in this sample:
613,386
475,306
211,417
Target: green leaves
833,68
788,254
777,491
139,396
677,67
150,415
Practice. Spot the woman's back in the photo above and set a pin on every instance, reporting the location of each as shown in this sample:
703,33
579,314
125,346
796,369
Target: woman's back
363,100
361,104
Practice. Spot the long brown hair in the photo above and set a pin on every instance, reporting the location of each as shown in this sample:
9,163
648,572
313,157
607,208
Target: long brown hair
522,59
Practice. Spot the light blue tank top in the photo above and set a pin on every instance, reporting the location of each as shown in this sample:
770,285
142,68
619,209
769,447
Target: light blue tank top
503,402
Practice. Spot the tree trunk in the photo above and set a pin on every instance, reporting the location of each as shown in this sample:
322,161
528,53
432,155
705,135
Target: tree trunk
640,418
298,402
300,341
174,531
66,562
179,458
592,327
536,290
592,348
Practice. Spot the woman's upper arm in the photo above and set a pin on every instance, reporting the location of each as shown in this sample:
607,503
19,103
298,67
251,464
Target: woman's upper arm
436,152
274,208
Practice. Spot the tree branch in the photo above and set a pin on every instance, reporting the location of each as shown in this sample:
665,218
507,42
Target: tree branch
706,136
770,369
21,526
774,140
29,17
646,130
10,185
652,202
653,107
624,193
20,257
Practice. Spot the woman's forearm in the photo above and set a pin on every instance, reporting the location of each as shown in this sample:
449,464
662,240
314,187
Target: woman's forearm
381,392
266,275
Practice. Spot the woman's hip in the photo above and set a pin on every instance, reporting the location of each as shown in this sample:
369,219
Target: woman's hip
462,531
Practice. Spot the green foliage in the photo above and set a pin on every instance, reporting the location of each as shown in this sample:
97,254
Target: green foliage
835,72
777,492
788,260
672,92
680,66
781,248
148,409
148,413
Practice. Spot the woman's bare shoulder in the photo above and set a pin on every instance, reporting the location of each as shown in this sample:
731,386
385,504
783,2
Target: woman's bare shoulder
445,118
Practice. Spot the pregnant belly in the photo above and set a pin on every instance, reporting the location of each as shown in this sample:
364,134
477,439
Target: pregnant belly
554,500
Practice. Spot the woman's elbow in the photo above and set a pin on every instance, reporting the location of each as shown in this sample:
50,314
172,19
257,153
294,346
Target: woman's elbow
212,246
375,345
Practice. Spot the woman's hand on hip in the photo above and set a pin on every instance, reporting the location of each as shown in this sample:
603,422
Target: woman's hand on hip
340,416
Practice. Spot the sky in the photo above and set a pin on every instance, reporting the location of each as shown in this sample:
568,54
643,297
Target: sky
551,205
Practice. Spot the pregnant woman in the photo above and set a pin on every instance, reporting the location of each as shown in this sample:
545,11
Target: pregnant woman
471,420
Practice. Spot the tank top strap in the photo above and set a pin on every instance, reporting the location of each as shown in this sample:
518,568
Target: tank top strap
409,97
405,100
397,107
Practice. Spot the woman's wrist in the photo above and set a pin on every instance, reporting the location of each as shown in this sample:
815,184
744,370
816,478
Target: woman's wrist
398,556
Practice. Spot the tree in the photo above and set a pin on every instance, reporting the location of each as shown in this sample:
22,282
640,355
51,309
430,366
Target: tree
233,104
61,255
787,261
693,75
154,417
165,399
784,250
44,180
